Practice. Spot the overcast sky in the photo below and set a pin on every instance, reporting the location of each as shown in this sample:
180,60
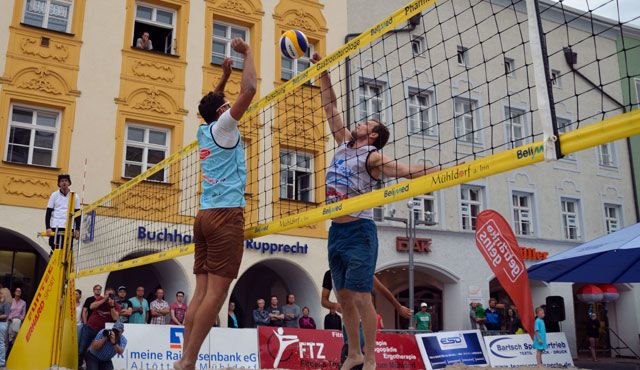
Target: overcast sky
629,9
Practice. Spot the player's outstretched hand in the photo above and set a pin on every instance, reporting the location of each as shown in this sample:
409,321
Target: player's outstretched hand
405,312
226,66
315,58
239,46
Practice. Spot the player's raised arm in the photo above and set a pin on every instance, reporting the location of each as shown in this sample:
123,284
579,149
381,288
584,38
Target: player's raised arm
226,72
330,104
248,82
380,163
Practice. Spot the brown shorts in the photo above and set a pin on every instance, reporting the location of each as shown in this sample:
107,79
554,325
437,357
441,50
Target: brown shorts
218,235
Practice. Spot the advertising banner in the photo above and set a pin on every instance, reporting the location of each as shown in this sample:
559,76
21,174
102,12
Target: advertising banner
442,349
159,346
516,350
291,348
498,245
397,351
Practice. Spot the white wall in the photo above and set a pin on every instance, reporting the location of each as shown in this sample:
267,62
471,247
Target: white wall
5,22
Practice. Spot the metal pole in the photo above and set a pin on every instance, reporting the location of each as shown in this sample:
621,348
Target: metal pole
411,229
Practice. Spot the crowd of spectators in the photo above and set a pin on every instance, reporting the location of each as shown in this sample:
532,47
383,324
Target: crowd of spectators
12,312
495,319
290,315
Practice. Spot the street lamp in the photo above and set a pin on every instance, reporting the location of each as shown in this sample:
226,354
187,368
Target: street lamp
410,227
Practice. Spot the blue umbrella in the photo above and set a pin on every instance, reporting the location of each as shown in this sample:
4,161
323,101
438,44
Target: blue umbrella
613,258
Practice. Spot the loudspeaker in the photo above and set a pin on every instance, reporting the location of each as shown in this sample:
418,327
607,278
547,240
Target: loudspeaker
555,308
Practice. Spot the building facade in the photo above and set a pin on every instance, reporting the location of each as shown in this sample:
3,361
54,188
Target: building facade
551,206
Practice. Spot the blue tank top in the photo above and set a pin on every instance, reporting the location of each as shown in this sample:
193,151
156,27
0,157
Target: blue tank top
224,172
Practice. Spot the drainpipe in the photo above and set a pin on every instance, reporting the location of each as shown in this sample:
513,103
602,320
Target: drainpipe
572,58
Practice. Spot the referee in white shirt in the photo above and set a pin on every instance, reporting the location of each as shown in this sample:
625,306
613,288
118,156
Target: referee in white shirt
56,216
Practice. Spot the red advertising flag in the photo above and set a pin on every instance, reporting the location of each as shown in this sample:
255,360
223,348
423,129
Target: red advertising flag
497,243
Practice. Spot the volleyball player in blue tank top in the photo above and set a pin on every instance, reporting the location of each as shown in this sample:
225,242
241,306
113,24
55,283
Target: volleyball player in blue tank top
219,226
353,241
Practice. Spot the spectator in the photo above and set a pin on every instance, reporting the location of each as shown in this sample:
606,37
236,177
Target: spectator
79,322
379,322
423,318
5,307
86,308
232,319
143,42
139,308
291,312
332,321
105,345
159,309
306,321
104,310
481,317
494,317
16,314
124,304
260,315
55,219
512,321
540,336
276,317
178,310
593,332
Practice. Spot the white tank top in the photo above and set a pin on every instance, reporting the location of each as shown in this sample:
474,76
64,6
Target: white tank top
348,176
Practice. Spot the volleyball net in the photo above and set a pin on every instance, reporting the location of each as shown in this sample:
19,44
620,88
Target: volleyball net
473,87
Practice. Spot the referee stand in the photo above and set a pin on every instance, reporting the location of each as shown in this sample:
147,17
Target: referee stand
48,336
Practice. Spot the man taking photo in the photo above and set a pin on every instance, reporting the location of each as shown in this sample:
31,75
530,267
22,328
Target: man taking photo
107,344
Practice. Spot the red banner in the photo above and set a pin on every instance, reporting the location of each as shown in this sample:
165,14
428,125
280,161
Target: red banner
289,348
497,243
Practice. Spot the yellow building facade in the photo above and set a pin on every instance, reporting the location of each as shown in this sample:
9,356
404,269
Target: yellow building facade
79,94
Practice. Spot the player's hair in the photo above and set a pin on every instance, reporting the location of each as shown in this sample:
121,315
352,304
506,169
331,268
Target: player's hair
209,105
383,134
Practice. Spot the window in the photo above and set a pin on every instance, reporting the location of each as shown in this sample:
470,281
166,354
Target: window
296,175
159,23
291,67
144,147
463,56
418,45
606,155
516,127
564,126
637,81
424,208
54,15
33,136
509,67
223,33
570,218
465,120
612,217
421,113
522,205
471,204
371,101
556,78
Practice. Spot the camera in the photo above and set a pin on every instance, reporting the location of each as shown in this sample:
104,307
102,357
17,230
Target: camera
112,296
107,333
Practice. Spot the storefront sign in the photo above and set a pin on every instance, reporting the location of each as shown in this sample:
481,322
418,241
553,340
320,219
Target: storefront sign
532,254
442,349
164,236
516,350
271,248
420,245
159,346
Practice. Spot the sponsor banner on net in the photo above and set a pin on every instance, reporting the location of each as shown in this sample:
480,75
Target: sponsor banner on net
516,350
442,349
159,346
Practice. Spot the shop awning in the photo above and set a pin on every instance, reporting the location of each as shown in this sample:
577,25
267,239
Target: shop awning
613,258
